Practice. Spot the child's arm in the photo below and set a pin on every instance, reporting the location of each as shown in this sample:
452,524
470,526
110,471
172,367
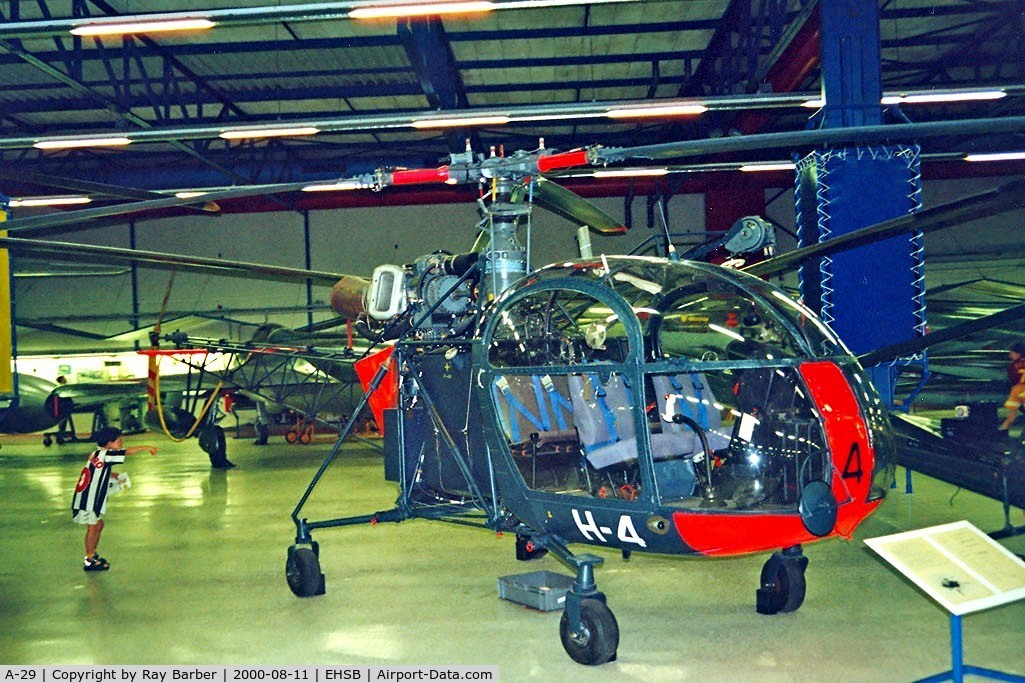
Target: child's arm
133,450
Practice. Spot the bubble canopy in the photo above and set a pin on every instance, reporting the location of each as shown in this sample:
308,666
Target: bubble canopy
684,383
680,309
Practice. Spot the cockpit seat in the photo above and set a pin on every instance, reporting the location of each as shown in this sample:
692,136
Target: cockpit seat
603,414
690,396
535,414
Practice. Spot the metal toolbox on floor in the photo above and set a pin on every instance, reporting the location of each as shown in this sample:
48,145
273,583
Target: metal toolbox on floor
542,590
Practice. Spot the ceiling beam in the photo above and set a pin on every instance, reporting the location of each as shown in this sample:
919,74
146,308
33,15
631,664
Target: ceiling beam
430,55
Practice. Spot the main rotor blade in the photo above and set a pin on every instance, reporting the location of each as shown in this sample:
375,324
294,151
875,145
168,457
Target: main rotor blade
572,206
1006,197
809,138
53,220
70,251
79,185
912,346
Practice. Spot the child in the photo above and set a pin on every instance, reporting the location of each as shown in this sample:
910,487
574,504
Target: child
89,503
1016,376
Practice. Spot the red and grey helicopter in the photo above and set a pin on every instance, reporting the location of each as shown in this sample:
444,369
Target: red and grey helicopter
642,404
637,403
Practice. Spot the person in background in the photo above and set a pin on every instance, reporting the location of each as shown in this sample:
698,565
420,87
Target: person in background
1016,377
89,503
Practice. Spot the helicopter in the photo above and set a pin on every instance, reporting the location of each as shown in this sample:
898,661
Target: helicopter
635,403
674,406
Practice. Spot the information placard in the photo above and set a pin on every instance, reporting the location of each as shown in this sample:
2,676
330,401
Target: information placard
956,564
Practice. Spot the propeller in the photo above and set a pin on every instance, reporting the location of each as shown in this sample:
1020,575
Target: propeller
570,205
809,138
78,185
72,251
910,347
1003,198
58,219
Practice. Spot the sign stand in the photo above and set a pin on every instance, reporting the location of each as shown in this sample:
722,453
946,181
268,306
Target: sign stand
965,571
959,668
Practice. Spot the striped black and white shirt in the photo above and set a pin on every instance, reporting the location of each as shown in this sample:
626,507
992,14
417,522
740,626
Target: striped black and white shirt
91,490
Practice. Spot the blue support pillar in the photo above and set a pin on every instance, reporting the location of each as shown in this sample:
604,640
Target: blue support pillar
872,295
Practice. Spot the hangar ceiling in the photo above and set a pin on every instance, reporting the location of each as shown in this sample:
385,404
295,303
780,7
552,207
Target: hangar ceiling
363,82
554,69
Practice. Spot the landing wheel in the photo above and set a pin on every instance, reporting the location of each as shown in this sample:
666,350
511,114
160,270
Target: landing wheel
598,637
262,434
292,436
783,583
214,443
302,571
47,441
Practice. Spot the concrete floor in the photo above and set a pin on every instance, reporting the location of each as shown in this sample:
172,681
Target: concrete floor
198,578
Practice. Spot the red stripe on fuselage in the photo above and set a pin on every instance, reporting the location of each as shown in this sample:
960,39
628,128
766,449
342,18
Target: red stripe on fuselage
735,533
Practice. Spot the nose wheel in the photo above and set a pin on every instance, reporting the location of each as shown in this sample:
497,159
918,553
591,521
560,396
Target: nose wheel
783,584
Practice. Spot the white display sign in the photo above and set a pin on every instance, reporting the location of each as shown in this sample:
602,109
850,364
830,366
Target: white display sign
956,564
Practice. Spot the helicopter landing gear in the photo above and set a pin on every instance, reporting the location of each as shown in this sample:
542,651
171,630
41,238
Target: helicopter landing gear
588,629
783,582
302,571
596,638
212,441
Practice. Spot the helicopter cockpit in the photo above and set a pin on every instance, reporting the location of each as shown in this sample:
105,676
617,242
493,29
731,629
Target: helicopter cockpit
671,382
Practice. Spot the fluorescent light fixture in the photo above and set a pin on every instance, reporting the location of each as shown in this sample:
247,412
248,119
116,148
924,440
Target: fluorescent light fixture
72,143
334,187
420,9
769,166
949,96
631,173
530,4
459,122
109,28
656,110
925,97
268,133
65,200
996,156
189,194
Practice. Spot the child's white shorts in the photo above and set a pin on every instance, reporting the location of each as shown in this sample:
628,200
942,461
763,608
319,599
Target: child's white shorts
86,517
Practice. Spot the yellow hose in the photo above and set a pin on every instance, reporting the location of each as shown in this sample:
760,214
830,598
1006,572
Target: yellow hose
160,408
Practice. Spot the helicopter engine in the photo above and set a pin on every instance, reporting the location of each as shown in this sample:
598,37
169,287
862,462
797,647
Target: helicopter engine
439,295
435,296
